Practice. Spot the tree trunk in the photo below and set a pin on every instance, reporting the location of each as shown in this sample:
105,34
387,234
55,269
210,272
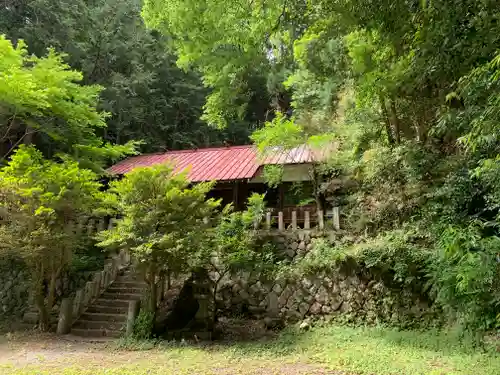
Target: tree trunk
387,121
43,315
52,291
153,297
216,287
395,121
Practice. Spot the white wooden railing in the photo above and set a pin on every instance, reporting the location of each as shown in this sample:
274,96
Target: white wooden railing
308,220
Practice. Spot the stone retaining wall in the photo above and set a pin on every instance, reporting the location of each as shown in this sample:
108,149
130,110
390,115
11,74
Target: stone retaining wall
14,287
346,291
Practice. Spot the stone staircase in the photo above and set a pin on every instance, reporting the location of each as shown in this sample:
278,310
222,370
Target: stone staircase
107,315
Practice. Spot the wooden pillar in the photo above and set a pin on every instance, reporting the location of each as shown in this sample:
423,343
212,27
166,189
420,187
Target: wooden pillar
336,218
307,220
281,197
281,224
294,220
236,192
268,220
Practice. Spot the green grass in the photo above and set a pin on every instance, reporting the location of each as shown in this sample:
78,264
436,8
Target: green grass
332,350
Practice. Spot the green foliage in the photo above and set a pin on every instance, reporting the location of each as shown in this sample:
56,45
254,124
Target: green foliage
146,96
277,132
43,96
143,325
238,57
233,244
85,263
235,239
273,175
466,274
42,202
400,258
163,220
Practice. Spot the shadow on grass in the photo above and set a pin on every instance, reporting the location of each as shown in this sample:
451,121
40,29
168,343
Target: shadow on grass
331,338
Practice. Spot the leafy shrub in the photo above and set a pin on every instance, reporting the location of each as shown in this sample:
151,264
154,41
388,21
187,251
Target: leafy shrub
466,275
143,326
388,186
84,262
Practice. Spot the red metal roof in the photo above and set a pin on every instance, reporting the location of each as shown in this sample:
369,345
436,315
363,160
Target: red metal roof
221,164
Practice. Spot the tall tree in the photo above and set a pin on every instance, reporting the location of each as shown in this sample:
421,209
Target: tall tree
232,45
163,221
147,96
41,203
41,99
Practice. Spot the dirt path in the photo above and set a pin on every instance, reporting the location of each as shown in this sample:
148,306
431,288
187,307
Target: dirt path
27,355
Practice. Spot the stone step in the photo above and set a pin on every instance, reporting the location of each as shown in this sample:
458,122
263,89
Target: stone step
128,284
102,325
104,317
103,309
82,332
111,302
130,277
122,296
124,290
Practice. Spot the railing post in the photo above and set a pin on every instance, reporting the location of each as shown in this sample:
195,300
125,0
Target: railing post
107,279
268,220
102,287
321,220
90,227
80,226
336,218
294,220
111,223
133,311
307,220
78,303
281,224
65,317
98,280
88,293
114,268
101,225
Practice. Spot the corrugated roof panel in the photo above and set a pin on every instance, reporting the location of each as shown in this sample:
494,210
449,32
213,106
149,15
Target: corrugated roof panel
221,164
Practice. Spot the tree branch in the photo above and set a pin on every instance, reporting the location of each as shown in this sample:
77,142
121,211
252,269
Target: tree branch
26,133
10,126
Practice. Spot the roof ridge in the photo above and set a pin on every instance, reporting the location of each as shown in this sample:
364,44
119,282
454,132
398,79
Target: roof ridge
219,148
